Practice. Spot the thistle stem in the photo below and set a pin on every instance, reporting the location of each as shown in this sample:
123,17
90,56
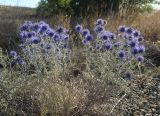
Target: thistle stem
117,103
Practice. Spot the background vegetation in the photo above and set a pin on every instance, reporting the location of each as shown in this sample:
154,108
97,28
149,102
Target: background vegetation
88,7
78,89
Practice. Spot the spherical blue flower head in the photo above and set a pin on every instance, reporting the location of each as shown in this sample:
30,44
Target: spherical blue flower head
85,42
112,36
33,33
56,37
50,32
122,29
133,43
140,58
97,46
135,50
136,33
121,54
20,61
85,32
44,28
108,46
105,36
89,37
35,27
29,34
23,36
64,37
117,44
60,30
141,49
130,38
24,28
40,31
78,28
42,23
35,40
140,39
99,29
13,53
100,22
129,31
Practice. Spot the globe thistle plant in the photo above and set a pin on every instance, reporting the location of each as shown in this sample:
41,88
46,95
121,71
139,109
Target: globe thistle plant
122,29
140,58
108,48
39,40
85,32
99,29
78,28
100,22
13,53
121,54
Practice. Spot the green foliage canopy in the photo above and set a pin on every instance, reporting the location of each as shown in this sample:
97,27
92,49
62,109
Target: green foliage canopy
86,7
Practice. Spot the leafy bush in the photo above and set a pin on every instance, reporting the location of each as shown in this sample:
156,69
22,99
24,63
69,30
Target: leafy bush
90,7
50,7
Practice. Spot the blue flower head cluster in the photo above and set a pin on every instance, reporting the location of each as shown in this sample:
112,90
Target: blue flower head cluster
16,59
40,35
133,42
88,37
34,33
127,45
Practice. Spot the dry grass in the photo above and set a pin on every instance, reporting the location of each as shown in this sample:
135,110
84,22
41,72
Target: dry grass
7,12
149,25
